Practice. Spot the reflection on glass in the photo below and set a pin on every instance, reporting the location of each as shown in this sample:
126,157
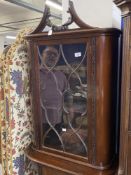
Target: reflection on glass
63,87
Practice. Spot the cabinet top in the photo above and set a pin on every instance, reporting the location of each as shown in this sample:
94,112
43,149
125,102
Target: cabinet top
74,34
124,5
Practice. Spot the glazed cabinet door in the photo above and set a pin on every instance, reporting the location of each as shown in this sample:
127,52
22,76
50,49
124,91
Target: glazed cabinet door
74,102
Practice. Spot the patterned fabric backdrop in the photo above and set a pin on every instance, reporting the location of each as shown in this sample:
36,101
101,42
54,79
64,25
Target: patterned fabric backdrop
15,109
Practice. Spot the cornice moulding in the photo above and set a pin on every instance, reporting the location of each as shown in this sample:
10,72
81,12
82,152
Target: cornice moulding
124,5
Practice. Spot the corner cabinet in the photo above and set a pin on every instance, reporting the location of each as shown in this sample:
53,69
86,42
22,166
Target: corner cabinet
75,87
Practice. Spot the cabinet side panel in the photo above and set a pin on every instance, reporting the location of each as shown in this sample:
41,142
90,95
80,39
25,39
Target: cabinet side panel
106,84
125,96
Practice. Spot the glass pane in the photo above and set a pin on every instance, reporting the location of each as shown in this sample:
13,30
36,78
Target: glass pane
63,87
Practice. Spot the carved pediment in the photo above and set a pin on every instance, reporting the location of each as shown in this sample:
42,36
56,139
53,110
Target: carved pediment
73,18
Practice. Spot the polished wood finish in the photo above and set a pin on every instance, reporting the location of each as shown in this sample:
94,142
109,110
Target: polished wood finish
68,165
125,138
102,70
101,145
50,171
106,60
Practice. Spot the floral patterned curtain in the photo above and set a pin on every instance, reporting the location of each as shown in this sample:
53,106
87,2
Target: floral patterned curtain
15,108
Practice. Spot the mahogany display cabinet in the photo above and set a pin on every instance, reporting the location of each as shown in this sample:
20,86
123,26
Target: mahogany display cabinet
75,96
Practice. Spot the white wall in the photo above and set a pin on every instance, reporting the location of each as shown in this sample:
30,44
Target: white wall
97,13
116,16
